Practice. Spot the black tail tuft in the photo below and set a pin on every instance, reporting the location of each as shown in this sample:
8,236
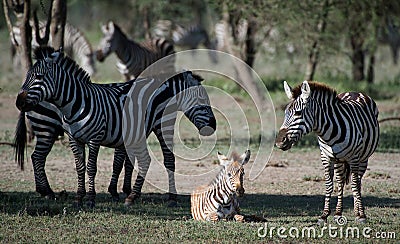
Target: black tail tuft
20,140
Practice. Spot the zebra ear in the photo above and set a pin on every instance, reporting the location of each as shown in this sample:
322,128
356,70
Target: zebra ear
305,91
288,90
55,56
111,27
223,160
245,157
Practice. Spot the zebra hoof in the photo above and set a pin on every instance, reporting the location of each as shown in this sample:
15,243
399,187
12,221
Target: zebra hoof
90,204
131,199
77,204
322,222
115,198
172,204
50,196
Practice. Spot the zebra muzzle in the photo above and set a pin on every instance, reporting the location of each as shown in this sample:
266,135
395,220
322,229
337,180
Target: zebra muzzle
282,141
99,56
240,192
21,100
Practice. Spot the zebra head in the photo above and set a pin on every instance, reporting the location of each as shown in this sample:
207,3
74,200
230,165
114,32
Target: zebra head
299,119
233,171
38,85
109,42
195,104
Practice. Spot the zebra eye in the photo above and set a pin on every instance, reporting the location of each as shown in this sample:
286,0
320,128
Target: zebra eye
297,113
38,76
229,174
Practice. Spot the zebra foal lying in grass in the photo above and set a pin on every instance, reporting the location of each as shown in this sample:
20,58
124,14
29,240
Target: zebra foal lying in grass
219,199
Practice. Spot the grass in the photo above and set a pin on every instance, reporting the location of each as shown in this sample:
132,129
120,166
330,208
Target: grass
150,220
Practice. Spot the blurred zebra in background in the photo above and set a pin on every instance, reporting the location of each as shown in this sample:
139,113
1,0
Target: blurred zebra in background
89,119
189,37
76,46
348,134
219,199
134,57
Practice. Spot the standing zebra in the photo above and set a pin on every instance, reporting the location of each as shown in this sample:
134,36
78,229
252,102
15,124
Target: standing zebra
75,45
348,134
134,57
219,199
94,112
189,37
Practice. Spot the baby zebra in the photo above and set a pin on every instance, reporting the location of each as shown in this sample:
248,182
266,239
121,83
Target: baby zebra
219,199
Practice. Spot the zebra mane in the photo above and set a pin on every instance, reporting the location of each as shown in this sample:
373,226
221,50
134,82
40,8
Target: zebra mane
41,53
197,77
314,86
117,28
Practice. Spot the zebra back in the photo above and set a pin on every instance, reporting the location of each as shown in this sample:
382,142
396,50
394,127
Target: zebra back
134,57
75,44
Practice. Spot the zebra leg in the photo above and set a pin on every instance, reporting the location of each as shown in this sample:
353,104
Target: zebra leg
340,171
78,149
127,188
91,171
119,157
213,216
238,218
356,189
328,167
39,155
169,163
143,158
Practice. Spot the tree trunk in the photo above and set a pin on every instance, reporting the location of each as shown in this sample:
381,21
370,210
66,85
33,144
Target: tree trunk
313,56
59,15
26,38
357,57
371,73
146,23
250,44
243,74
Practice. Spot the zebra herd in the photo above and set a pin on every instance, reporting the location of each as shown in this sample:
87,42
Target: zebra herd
58,96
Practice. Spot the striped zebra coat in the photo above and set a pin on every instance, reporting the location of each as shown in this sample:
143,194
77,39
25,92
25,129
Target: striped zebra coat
189,37
94,112
348,134
135,57
76,45
219,199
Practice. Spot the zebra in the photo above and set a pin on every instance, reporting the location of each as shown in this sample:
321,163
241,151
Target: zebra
76,45
189,37
219,199
134,57
90,110
348,134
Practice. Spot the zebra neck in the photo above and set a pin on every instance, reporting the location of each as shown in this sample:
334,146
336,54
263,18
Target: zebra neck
161,104
326,116
128,52
223,187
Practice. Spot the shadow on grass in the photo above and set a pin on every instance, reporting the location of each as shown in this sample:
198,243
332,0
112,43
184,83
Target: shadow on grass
154,205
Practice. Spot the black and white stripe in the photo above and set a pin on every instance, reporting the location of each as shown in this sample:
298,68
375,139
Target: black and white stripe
134,57
348,134
76,45
219,199
94,112
185,37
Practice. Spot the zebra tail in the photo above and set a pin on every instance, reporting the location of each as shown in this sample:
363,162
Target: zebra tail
347,173
20,140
